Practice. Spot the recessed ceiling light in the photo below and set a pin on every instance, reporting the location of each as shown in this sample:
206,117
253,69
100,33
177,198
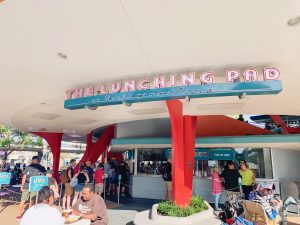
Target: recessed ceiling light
294,21
62,55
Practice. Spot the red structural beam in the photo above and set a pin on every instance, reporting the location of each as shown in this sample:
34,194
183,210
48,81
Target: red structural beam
54,142
94,150
285,129
183,145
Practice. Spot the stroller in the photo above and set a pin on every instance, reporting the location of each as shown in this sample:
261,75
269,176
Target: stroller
229,217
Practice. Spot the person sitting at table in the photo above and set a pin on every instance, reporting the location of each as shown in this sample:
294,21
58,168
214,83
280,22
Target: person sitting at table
91,206
44,212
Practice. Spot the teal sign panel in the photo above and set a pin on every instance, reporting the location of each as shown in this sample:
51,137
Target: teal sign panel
201,154
168,153
129,155
177,92
37,182
5,178
222,154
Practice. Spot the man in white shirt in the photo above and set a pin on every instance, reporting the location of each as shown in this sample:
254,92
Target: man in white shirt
43,212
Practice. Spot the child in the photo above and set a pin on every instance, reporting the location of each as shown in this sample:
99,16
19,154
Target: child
52,184
217,187
253,194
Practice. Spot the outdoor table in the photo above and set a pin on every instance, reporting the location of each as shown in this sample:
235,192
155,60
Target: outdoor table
80,222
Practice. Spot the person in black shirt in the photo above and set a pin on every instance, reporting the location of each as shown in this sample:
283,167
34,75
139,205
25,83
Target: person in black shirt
167,176
122,170
231,176
90,171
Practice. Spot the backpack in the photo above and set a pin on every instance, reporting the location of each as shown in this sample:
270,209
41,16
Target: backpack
64,178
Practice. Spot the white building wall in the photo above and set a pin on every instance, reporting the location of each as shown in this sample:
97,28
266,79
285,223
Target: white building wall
286,164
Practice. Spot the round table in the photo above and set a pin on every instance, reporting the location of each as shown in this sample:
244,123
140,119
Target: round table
80,222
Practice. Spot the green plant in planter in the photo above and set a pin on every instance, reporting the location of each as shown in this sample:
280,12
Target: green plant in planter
168,208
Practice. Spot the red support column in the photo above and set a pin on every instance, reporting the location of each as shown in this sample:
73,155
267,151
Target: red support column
94,150
190,126
183,144
87,151
101,144
54,142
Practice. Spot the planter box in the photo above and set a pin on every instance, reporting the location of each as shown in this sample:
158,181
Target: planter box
151,217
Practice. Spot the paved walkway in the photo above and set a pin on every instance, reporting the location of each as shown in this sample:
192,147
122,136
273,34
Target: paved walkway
118,215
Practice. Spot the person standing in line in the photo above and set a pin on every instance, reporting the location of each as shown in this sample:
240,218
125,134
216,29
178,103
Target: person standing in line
122,170
167,177
231,177
91,206
112,179
83,178
34,169
90,171
217,187
99,177
248,179
66,178
107,166
44,212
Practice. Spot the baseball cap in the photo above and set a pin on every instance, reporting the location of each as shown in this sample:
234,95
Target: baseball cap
35,157
266,185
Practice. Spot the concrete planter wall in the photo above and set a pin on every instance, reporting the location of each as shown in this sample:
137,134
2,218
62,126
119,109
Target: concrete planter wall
151,217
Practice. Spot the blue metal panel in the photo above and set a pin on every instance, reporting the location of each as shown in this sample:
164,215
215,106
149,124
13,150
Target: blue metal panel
179,92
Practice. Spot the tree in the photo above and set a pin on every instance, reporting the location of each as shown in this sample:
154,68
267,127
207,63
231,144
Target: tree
12,139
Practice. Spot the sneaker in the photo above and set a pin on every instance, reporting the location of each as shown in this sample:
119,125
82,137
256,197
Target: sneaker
18,218
218,209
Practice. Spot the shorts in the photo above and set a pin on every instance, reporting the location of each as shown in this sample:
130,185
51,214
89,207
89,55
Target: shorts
26,195
168,186
68,189
78,187
99,188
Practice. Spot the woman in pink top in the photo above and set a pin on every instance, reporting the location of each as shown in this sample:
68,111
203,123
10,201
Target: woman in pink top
217,187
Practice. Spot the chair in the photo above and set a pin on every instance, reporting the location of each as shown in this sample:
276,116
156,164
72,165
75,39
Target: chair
257,214
290,189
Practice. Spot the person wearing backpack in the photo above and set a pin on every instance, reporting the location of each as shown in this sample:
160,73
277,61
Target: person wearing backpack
167,176
65,178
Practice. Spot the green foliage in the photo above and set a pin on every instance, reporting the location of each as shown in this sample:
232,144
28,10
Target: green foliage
168,208
12,139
